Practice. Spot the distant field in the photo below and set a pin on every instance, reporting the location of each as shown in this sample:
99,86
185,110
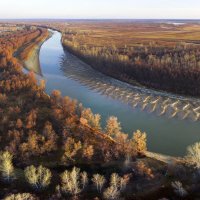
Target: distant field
133,34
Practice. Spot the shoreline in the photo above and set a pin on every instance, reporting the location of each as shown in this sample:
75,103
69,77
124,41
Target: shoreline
32,62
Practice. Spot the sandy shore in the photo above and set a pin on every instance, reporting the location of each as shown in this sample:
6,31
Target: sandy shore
33,62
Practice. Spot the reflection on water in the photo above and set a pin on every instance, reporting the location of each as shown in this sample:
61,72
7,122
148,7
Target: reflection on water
148,100
171,122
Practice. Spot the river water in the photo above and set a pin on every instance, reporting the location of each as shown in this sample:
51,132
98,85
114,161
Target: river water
171,122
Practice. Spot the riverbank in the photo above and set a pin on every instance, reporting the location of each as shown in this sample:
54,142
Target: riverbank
28,54
33,62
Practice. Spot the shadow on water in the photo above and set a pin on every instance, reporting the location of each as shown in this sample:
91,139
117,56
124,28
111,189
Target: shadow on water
171,122
146,100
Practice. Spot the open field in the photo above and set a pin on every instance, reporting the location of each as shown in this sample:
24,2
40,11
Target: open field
133,34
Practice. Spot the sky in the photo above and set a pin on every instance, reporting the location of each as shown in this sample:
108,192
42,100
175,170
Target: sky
101,9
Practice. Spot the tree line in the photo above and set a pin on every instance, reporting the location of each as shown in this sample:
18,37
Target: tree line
171,67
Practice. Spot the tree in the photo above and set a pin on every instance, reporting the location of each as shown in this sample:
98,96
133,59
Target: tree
31,119
111,193
115,180
117,184
178,189
71,149
19,123
6,166
118,181
88,151
144,170
71,181
193,155
99,181
92,119
50,138
113,127
38,177
84,179
56,96
21,196
139,141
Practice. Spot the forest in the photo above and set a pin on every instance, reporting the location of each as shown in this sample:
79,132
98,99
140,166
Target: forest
160,56
54,148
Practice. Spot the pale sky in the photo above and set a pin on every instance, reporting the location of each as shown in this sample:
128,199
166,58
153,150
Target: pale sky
136,9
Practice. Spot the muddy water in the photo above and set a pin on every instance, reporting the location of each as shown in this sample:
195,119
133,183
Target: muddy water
171,122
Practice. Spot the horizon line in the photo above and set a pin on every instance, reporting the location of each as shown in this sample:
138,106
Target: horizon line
45,18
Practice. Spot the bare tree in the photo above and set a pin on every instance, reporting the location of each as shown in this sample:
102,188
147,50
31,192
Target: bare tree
118,181
111,193
72,181
178,189
21,196
99,181
115,180
193,155
84,179
117,184
38,177
6,165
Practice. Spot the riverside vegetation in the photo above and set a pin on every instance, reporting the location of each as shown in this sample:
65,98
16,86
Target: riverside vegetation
54,148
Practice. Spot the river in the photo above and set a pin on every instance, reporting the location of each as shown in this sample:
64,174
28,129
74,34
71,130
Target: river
171,122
